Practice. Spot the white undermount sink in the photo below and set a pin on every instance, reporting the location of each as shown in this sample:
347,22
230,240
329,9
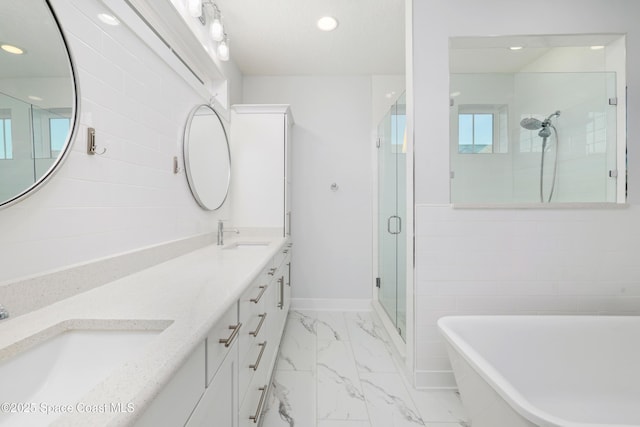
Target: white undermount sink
246,245
60,370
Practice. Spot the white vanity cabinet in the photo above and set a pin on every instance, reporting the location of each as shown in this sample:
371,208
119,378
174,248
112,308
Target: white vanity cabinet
225,381
202,392
261,158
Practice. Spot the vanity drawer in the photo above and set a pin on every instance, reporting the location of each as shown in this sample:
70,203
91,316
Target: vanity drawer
220,339
279,257
259,346
256,399
252,312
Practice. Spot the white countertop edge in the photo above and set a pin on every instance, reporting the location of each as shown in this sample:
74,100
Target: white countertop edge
187,294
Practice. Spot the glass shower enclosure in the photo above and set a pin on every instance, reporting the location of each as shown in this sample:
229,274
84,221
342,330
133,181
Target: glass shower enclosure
392,236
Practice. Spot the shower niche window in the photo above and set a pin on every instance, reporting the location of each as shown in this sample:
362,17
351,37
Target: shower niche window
482,129
537,119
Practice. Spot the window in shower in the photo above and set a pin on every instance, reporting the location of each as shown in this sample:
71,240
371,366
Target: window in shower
58,130
6,150
482,129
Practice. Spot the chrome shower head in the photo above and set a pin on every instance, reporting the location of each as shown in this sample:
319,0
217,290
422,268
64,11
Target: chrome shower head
534,124
544,132
556,114
530,123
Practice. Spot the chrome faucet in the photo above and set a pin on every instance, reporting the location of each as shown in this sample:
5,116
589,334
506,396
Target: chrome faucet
4,314
222,230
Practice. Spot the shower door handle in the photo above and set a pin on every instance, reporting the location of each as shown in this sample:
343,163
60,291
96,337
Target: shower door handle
399,228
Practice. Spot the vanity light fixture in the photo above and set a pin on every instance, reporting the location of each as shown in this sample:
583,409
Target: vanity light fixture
195,8
12,49
515,47
223,49
216,29
327,23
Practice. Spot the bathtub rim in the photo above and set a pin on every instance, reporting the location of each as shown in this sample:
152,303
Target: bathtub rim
498,382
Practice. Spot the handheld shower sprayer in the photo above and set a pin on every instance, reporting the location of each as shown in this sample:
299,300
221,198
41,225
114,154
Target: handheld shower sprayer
545,126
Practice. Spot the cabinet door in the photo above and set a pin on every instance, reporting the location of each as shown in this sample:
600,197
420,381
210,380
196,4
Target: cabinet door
178,398
258,170
219,404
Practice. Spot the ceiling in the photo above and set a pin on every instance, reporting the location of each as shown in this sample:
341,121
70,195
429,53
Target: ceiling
28,24
280,37
492,54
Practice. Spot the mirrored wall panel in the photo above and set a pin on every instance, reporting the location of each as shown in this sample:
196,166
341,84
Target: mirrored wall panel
37,97
537,119
207,157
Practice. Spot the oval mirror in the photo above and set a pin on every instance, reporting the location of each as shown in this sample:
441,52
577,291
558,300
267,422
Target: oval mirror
206,157
37,97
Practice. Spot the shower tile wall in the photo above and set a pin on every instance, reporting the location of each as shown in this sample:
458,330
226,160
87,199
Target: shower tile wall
128,198
519,262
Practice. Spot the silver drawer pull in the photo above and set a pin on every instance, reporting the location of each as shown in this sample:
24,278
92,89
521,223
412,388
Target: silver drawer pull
227,341
255,365
281,302
272,271
256,299
286,251
262,317
256,417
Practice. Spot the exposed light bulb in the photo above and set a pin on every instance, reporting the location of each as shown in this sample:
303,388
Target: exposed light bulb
195,8
223,50
217,30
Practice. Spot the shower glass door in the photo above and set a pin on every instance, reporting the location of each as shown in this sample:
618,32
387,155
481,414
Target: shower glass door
391,215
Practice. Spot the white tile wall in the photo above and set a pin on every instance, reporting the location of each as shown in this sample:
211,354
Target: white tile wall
331,231
512,260
521,262
129,198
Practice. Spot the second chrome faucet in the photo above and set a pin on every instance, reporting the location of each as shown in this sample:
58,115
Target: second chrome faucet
222,230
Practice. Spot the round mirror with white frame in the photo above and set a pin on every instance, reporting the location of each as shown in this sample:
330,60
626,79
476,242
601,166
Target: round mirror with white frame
207,158
38,102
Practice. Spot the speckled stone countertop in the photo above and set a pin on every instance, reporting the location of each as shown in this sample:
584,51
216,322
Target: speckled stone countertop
184,297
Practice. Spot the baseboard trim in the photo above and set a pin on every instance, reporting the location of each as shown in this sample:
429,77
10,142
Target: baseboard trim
331,304
435,380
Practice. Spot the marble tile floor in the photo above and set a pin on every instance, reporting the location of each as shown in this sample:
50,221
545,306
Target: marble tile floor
335,369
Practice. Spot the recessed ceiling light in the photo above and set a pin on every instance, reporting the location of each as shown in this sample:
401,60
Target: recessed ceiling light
515,47
108,19
12,49
327,23
597,47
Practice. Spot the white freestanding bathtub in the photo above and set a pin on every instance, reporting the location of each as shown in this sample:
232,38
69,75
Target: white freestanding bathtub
569,371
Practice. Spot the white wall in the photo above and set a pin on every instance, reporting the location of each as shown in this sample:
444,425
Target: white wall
503,260
331,231
129,198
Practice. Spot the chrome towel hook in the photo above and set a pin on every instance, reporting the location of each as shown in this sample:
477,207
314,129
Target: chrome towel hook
91,143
